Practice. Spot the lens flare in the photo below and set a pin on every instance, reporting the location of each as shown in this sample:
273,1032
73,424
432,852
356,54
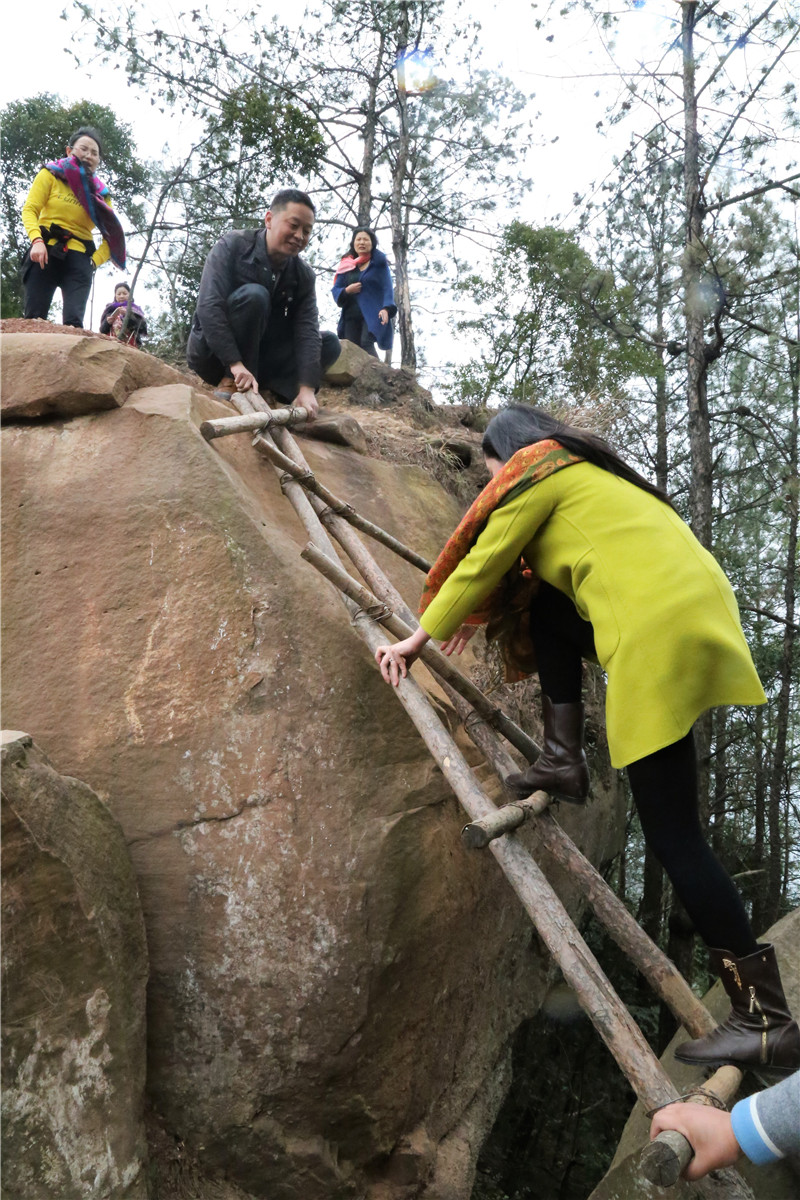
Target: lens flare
416,72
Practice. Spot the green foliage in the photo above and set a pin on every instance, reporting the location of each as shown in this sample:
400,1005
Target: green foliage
551,325
37,130
258,121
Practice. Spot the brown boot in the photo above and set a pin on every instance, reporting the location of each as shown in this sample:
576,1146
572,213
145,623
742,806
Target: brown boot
759,1031
561,768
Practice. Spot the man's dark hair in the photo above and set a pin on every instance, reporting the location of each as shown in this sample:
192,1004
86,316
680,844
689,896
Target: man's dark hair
521,425
288,196
86,131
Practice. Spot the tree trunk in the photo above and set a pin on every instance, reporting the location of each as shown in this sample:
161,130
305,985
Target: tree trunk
408,354
368,134
721,780
760,819
662,398
782,708
693,262
650,910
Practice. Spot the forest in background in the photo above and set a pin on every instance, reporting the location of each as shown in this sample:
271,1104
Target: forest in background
665,312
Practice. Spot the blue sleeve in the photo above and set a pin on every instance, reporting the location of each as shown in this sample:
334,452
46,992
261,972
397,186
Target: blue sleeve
338,290
767,1125
388,292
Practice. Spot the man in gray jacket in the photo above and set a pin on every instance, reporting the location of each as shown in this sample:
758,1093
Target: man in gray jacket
256,322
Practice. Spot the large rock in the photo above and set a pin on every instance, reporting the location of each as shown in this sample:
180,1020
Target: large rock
59,374
74,976
378,386
334,981
777,1181
348,366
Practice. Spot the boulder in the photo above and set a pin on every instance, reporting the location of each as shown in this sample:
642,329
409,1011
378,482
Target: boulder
378,386
348,366
74,976
778,1181
334,981
338,428
59,374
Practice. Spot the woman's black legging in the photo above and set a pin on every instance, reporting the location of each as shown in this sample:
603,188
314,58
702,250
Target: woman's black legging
664,785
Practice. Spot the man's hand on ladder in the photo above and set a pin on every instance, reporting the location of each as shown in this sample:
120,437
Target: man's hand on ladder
245,380
307,399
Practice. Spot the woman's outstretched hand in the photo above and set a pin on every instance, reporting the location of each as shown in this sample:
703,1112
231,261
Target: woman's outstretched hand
459,640
383,316
395,660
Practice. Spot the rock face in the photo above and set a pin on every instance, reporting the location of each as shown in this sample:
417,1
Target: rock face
348,366
377,385
74,976
334,981
69,376
778,1181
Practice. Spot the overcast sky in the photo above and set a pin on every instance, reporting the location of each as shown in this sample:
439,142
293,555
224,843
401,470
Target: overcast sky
564,74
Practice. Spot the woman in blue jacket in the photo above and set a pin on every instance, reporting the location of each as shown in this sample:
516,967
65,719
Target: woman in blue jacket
362,287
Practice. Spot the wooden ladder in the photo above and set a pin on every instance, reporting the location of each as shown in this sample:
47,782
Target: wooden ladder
378,604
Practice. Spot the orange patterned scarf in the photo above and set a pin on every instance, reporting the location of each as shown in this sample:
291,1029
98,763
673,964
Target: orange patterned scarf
525,468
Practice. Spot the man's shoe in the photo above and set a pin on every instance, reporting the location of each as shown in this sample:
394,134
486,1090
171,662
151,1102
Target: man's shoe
561,768
759,1032
225,388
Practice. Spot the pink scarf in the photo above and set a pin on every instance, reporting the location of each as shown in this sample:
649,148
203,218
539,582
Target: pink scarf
349,263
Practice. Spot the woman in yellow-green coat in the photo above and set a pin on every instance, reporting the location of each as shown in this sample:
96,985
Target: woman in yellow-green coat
623,581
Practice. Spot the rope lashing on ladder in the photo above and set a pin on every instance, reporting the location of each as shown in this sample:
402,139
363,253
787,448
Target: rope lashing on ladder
699,1095
375,612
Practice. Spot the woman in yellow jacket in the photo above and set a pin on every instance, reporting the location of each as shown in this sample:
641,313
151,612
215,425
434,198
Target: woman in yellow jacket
64,205
623,581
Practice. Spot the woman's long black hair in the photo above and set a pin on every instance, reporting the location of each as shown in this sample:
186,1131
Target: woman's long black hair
373,237
520,425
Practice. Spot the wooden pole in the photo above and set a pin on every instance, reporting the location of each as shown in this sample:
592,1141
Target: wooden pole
668,1155
431,657
251,422
341,508
478,834
579,967
661,973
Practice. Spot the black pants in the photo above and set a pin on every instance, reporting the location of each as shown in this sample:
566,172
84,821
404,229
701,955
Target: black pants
272,362
353,328
664,785
73,274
